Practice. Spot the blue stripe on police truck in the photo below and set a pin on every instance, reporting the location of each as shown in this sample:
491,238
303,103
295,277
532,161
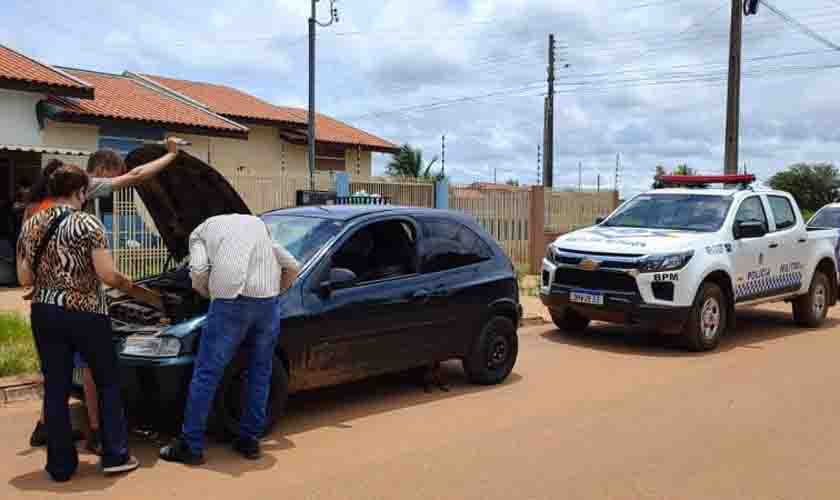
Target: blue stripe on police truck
764,284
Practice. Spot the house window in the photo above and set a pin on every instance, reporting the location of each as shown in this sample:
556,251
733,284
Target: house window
328,157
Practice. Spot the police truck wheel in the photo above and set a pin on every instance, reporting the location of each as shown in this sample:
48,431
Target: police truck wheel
231,398
569,321
810,310
707,320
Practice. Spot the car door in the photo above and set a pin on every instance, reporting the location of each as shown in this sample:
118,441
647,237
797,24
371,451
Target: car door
786,243
750,255
453,257
375,324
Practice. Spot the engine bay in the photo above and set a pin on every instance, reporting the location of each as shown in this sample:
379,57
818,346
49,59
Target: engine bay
130,316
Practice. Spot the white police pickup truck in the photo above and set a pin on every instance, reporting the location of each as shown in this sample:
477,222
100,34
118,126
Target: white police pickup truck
680,260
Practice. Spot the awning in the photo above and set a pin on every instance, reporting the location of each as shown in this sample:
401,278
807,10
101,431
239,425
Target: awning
44,149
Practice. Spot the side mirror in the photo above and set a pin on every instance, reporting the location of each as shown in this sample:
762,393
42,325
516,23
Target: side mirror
338,278
749,229
599,220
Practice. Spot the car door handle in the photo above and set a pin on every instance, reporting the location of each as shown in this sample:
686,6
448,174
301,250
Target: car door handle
803,240
774,245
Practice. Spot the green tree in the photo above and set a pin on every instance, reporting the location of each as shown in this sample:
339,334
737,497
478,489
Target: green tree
681,169
813,185
512,182
408,162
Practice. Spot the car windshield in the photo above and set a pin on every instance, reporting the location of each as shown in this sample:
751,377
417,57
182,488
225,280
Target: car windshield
826,218
302,236
682,212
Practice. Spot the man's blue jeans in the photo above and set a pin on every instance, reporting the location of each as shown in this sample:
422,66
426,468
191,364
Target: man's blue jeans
252,324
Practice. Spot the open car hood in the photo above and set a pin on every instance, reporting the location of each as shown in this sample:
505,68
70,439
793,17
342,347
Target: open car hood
183,196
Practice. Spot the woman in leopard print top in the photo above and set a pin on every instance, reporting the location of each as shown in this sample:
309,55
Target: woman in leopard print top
70,314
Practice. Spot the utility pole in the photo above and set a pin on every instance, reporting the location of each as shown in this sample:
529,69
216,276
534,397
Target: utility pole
539,165
313,23
733,97
548,134
598,188
443,155
580,176
617,171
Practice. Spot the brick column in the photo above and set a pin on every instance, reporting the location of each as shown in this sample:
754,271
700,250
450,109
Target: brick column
536,229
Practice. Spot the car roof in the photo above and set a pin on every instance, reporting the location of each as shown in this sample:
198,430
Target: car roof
350,212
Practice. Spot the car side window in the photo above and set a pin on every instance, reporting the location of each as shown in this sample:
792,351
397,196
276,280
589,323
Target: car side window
751,210
782,212
379,251
450,245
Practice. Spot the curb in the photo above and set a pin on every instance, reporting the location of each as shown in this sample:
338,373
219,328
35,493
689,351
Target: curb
17,389
533,321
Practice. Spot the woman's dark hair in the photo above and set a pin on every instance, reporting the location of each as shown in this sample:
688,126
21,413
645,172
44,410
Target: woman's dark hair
67,180
40,189
105,160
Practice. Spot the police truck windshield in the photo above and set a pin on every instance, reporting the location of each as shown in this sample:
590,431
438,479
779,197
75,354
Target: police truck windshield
679,212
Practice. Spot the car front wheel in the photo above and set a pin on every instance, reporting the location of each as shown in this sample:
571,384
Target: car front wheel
232,398
494,352
707,320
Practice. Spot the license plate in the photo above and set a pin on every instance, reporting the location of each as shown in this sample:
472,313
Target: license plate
589,298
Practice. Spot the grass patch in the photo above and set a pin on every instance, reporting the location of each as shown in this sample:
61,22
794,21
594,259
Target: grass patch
17,347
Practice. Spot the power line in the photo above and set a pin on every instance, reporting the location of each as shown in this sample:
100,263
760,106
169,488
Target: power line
800,27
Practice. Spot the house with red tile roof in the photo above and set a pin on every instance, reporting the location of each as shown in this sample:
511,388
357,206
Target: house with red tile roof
339,146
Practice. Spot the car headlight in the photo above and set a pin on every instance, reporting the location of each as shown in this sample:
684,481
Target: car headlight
152,346
666,262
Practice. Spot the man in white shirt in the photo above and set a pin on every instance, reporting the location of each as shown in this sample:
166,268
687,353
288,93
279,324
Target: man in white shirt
235,263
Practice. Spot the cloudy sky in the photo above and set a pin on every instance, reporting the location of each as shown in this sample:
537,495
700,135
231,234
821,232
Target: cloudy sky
645,78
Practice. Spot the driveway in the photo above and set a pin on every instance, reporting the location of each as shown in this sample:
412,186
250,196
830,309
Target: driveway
606,414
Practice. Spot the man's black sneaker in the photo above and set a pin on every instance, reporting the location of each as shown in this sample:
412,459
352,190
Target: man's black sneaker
129,464
178,451
248,448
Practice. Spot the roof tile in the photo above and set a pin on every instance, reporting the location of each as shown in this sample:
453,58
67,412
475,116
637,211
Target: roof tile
234,103
121,97
16,67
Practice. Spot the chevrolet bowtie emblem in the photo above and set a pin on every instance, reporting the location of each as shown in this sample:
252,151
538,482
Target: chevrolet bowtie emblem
589,265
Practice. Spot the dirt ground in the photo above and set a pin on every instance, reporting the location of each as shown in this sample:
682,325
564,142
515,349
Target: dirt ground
609,414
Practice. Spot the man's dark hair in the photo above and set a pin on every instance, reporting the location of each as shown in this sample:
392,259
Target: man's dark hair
105,160
40,190
67,180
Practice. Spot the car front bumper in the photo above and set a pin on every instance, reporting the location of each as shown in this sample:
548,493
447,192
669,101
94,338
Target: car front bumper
621,309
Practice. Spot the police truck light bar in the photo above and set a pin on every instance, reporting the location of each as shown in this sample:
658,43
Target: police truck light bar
699,180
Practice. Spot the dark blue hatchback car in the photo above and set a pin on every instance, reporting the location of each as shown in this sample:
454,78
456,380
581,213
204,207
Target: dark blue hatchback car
382,289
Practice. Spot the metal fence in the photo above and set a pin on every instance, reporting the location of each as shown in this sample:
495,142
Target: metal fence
503,213
567,211
404,192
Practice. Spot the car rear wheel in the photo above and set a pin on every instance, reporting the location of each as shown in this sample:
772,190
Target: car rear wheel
570,321
494,352
231,398
707,320
810,310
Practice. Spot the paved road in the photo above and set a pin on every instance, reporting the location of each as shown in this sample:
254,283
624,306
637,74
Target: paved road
602,415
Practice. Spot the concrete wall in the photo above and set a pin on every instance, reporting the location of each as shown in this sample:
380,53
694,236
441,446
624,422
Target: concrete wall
71,136
264,154
18,122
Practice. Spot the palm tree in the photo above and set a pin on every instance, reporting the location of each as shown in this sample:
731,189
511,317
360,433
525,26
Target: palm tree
408,162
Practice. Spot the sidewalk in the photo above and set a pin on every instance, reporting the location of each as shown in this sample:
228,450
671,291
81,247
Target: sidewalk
533,311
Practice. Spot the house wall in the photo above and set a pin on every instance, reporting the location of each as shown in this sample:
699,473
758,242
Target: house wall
71,136
264,154
18,121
